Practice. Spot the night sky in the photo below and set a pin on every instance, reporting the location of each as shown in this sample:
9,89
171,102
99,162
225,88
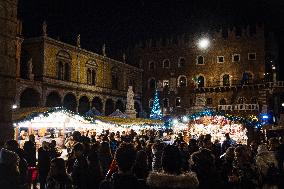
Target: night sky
120,24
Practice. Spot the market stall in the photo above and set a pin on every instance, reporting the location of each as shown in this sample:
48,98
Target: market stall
48,124
120,124
216,124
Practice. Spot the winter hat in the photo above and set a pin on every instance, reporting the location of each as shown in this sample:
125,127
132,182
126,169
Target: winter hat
8,157
262,148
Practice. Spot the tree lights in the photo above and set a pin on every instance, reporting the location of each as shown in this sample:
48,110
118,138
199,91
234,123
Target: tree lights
156,112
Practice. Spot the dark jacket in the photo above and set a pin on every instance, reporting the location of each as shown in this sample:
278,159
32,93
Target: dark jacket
30,153
166,181
9,179
80,173
58,183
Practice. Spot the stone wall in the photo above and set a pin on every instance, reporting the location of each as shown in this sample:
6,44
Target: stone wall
8,58
186,47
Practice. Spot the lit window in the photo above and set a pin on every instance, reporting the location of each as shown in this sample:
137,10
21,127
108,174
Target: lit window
200,60
226,80
252,56
178,102
166,83
220,59
182,81
200,81
242,100
236,58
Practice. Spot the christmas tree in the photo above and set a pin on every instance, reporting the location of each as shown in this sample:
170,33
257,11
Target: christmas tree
156,112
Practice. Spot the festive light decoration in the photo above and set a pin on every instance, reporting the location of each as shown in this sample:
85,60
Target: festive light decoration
128,121
216,124
60,118
250,121
53,118
156,112
237,131
31,113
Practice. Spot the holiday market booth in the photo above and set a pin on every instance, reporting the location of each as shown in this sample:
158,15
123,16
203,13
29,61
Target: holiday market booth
114,124
217,124
48,124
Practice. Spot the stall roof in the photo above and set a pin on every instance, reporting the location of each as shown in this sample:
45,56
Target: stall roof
29,114
119,114
20,114
128,121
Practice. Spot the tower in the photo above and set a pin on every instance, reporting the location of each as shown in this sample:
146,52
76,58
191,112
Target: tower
9,57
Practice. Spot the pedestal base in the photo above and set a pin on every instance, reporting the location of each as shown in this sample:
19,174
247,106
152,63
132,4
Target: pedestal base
131,113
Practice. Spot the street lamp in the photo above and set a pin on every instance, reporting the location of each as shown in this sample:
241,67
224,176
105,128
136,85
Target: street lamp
203,43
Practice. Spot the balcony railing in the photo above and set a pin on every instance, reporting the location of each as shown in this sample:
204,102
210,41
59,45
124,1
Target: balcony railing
239,83
239,107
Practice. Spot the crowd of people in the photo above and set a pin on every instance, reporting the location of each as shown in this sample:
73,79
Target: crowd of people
131,160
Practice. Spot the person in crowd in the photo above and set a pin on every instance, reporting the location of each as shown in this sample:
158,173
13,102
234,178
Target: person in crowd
179,139
171,175
13,146
228,142
44,158
95,173
79,173
57,176
207,143
281,153
217,148
192,146
183,149
105,157
113,143
268,166
253,149
157,150
245,174
203,164
226,165
30,151
140,168
77,136
53,150
124,178
30,156
9,170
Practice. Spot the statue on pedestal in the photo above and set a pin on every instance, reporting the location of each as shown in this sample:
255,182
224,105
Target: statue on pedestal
124,57
79,40
104,49
130,110
44,29
30,69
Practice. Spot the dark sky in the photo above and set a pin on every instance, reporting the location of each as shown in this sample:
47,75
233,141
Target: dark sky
122,23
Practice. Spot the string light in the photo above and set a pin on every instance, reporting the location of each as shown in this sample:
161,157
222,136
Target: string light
156,112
